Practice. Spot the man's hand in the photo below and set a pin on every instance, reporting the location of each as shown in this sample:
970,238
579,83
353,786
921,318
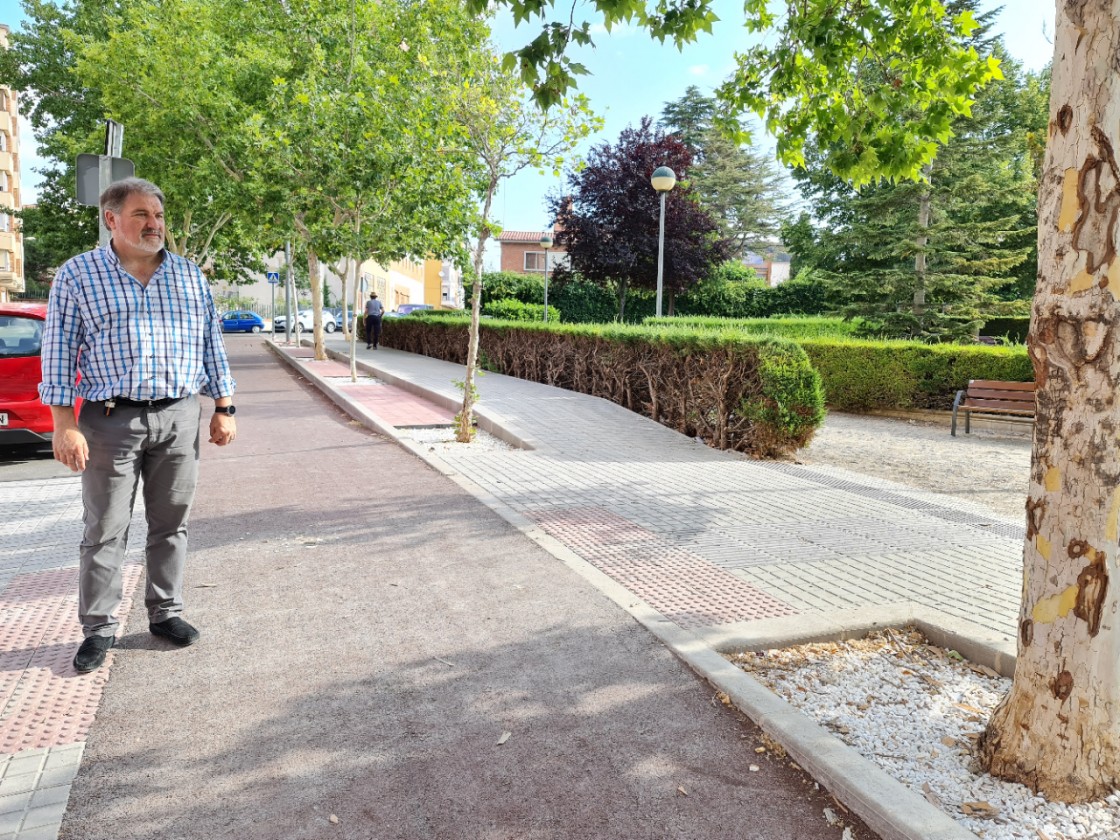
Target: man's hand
69,444
223,429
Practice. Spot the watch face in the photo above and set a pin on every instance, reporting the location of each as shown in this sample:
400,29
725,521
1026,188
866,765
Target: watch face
229,409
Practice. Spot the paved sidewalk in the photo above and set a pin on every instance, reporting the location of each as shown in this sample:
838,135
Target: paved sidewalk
760,540
384,657
712,548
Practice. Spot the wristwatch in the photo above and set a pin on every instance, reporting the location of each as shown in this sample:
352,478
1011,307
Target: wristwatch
225,409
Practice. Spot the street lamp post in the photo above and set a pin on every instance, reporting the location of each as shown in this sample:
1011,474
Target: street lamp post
663,180
546,243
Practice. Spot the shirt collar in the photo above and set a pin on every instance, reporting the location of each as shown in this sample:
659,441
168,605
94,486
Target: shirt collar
111,255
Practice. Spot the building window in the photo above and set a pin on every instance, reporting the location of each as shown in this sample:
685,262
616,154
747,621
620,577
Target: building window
5,223
5,260
534,261
3,141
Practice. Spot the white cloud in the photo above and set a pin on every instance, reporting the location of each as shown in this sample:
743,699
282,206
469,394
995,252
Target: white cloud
699,69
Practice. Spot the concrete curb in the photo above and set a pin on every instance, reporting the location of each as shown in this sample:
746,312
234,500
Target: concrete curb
887,806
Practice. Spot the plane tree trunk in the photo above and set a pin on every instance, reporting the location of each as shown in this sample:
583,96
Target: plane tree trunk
1056,729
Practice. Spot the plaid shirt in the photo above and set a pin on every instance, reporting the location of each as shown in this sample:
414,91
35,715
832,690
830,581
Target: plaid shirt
159,341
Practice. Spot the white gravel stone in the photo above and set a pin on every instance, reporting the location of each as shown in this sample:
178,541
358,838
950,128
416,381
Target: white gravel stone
442,439
915,712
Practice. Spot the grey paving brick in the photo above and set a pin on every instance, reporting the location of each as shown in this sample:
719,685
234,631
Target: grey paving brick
44,815
11,821
50,796
25,762
15,802
18,784
49,831
68,756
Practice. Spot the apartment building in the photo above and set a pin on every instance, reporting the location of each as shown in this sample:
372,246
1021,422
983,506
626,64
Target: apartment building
436,282
11,240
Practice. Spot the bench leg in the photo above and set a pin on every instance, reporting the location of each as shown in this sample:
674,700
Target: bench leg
968,422
953,427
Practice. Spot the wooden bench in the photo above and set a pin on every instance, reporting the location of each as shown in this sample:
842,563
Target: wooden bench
990,396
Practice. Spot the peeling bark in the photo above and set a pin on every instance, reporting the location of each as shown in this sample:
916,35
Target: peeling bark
1055,730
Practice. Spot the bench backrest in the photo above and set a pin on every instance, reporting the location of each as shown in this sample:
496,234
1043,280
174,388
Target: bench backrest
990,393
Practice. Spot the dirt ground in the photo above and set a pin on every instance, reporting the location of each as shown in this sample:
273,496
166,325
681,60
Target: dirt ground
991,468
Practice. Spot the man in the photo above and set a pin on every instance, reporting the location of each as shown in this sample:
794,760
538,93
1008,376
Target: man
140,326
374,311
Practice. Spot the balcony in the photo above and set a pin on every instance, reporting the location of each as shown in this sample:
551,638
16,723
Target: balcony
11,282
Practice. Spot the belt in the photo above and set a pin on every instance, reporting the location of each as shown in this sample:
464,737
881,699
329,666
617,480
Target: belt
127,403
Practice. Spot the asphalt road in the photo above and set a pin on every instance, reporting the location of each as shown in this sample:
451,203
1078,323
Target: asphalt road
29,463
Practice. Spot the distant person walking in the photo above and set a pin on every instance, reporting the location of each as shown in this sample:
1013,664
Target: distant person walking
139,324
374,311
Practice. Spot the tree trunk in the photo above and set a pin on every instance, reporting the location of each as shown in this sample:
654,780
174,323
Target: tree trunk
921,242
1056,729
622,284
316,302
465,418
464,421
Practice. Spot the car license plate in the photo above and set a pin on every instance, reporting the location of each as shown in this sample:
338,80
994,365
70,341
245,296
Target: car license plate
3,418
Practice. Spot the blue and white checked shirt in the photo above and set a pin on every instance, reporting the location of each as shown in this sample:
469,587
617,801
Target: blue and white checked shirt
153,342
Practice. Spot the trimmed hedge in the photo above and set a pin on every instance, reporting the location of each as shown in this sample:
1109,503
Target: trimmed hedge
510,309
797,328
862,376
757,395
867,375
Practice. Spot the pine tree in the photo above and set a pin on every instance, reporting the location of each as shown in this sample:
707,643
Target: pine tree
924,259
741,187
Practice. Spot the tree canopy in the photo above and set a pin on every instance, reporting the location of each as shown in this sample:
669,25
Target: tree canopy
608,223
810,79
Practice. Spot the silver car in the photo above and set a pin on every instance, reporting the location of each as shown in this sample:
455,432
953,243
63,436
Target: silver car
306,320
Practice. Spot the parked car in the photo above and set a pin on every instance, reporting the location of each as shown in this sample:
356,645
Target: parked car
306,320
242,320
409,308
23,419
339,315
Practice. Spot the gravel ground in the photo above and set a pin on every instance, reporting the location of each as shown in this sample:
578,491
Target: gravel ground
989,468
915,710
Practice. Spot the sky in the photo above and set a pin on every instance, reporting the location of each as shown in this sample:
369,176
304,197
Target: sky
633,75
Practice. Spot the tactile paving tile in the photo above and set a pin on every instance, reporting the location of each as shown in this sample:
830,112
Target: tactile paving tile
45,702
682,586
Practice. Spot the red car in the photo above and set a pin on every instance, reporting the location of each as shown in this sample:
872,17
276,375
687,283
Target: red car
23,419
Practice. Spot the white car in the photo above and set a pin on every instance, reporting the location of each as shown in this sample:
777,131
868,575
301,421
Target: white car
306,320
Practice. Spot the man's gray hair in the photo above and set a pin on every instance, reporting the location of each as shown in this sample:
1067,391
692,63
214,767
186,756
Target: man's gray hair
117,193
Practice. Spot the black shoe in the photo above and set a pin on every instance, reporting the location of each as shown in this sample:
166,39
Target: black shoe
176,631
367,347
91,655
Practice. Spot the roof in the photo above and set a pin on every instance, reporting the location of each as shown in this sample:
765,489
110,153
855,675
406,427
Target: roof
528,236
35,309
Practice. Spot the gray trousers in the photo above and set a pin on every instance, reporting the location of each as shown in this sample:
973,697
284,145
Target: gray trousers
160,445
